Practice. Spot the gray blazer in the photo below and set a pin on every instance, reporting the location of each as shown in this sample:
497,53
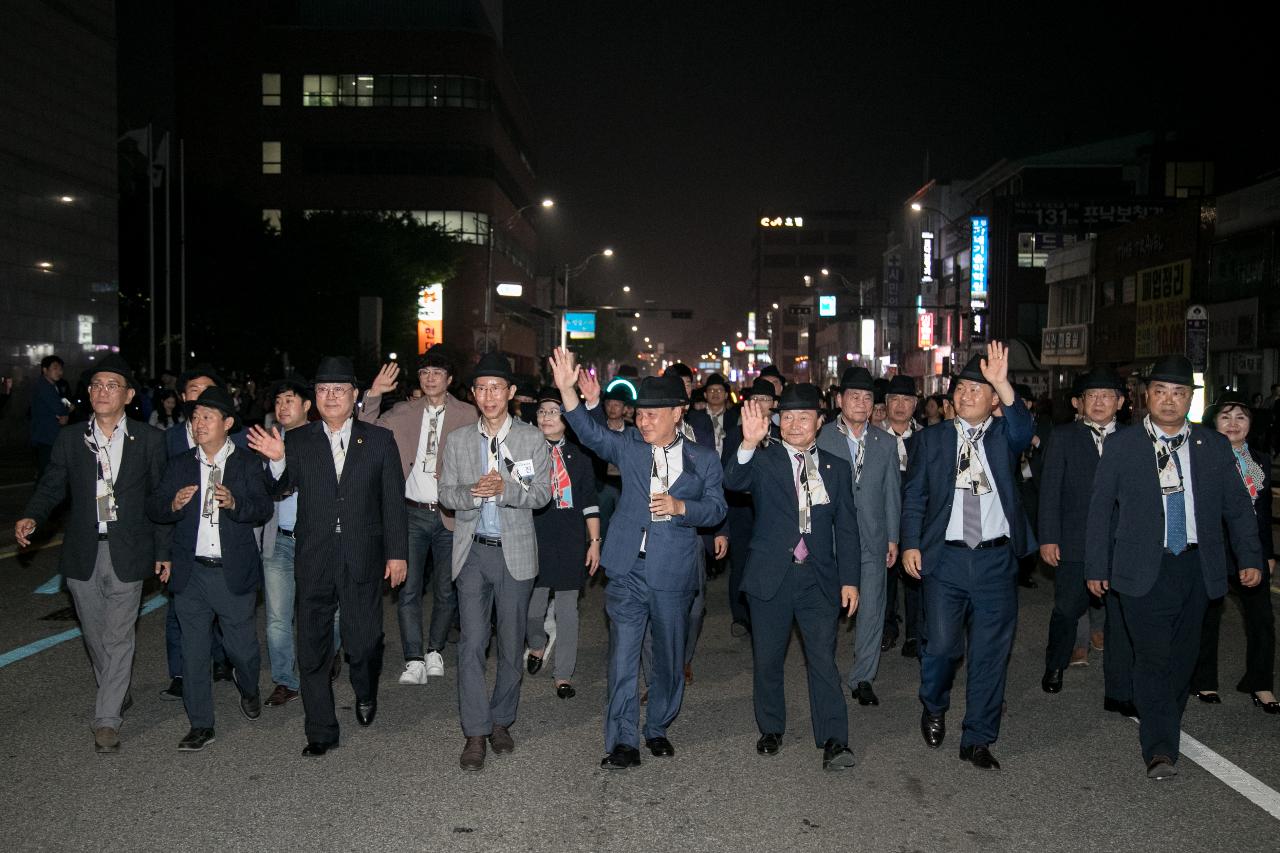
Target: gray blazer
465,462
877,496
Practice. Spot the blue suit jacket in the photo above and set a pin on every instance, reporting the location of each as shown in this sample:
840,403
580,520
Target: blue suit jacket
930,486
241,560
1127,500
46,408
672,546
1070,462
175,441
835,553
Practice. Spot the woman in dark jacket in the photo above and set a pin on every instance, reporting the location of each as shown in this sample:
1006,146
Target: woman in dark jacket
568,533
1232,417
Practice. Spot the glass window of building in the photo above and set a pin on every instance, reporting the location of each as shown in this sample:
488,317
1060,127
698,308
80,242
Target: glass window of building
395,90
271,219
271,162
1029,254
271,90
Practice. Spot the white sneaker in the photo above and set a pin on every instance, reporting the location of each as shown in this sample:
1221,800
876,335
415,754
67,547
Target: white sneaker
415,672
435,665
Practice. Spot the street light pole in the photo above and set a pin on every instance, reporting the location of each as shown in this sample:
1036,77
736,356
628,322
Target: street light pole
571,271
488,288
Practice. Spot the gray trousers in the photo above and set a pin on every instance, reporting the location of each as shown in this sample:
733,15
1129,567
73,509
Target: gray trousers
108,612
485,589
566,651
868,626
697,613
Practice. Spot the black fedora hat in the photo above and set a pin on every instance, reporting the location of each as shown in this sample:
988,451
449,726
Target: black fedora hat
857,379
715,379
215,397
762,388
679,368
800,396
1100,378
495,365
973,371
112,363
661,392
1175,369
1228,398
436,357
901,384
772,370
336,368
550,393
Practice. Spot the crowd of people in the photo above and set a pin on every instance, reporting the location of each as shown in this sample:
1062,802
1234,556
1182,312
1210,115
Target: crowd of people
502,499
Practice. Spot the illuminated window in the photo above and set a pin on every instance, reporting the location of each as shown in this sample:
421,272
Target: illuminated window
1028,254
271,163
395,90
271,219
271,90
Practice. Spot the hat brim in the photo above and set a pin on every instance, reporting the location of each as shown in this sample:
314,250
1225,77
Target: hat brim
1173,380
659,403
799,406
861,387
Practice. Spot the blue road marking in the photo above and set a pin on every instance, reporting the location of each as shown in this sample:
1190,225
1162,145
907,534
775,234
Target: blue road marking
22,652
50,587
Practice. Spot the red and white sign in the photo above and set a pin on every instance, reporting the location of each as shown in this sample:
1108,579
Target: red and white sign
924,329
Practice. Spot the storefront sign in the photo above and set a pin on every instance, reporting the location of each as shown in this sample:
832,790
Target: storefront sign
924,330
1065,345
1198,337
926,256
1163,293
430,316
978,258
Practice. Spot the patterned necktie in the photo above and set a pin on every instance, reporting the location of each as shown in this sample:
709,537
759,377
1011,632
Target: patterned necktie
1175,530
801,551
972,510
718,422
687,431
1099,434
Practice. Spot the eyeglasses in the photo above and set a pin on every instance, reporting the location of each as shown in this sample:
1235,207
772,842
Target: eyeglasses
492,389
332,390
549,413
106,387
433,373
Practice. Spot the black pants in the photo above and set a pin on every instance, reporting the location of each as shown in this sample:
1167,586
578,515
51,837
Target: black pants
1117,660
741,520
1165,625
911,603
1259,637
320,592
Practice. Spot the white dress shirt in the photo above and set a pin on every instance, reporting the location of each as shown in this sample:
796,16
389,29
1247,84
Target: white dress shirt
208,540
994,522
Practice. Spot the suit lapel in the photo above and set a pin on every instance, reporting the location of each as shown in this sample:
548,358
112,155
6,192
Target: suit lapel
1196,453
783,472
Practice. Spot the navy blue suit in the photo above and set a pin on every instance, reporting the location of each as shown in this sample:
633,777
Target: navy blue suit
1163,596
960,583
655,591
781,591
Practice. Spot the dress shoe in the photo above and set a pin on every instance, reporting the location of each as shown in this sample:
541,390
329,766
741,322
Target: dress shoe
1079,657
472,754
1160,767
173,693
864,694
739,628
281,696
336,667
106,739
196,740
980,757
251,707
911,648
621,758
1209,697
366,711
688,673
565,691
660,747
1096,641
836,755
769,744
1123,707
501,741
1051,682
223,671
933,727
887,643
317,748
1272,707
533,663
1027,583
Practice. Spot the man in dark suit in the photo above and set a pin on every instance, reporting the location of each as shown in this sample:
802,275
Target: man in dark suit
671,487
49,411
724,420
1070,462
110,468
804,565
1162,494
962,530
351,533
215,497
899,422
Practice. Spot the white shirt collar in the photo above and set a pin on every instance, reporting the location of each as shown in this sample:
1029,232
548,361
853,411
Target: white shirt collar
219,458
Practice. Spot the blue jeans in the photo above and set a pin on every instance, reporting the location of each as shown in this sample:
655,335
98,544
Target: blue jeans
278,588
427,534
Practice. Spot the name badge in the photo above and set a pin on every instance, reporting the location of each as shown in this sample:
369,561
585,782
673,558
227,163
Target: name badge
524,469
1170,482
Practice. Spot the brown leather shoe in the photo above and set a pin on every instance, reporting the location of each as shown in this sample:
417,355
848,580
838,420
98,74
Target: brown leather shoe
280,696
1079,657
1096,641
501,740
473,754
106,739
688,673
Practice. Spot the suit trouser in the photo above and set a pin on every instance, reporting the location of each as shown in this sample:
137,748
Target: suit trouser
1070,602
204,597
697,614
800,599
740,523
868,626
1259,638
427,533
633,606
279,592
1117,658
108,611
1165,626
913,602
488,597
323,590
978,587
566,624
173,642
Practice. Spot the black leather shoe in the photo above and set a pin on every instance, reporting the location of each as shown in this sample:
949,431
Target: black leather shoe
933,727
565,691
196,740
739,628
1123,707
222,671
1209,697
864,694
1267,707
336,667
836,755
1027,583
251,707
769,744
979,756
533,664
660,747
173,692
366,711
1051,682
621,758
316,748
911,648
887,643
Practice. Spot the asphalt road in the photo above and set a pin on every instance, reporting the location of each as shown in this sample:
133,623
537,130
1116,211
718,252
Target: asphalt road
1072,777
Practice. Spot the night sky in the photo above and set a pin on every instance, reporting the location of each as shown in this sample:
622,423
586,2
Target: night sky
662,128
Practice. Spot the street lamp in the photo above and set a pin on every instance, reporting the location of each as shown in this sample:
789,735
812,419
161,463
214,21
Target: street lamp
546,204
570,271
